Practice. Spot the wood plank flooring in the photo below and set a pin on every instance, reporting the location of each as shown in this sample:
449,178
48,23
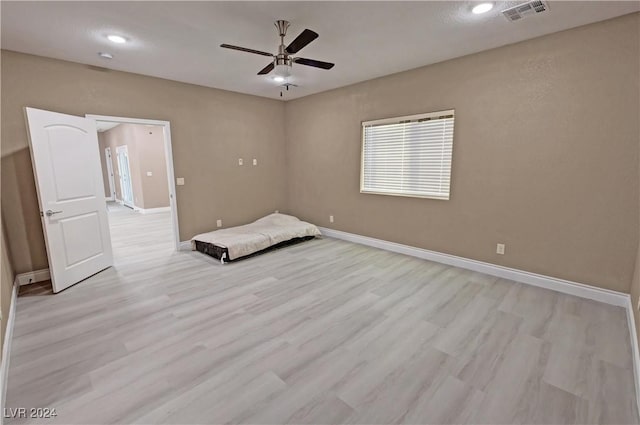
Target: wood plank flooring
319,333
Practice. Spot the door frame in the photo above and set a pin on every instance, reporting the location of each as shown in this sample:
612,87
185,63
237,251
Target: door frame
125,149
110,176
166,130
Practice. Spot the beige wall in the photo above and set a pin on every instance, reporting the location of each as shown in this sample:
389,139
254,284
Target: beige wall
545,152
635,295
635,283
6,284
545,155
151,157
124,135
103,162
211,129
145,146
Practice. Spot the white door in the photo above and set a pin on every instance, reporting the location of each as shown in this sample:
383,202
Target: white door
66,165
112,183
125,175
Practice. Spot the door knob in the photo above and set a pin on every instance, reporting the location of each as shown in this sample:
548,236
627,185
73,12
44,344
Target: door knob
49,213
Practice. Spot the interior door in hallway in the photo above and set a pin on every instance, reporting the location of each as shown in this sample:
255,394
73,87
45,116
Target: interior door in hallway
110,177
68,174
125,175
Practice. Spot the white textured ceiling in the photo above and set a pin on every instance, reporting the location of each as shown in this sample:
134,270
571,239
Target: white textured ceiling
180,40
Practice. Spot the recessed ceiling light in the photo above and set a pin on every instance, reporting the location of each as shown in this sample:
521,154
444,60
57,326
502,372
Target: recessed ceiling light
116,39
278,79
105,55
482,8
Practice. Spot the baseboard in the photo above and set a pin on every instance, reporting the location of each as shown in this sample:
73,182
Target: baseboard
153,210
110,199
6,346
635,351
185,246
560,285
33,277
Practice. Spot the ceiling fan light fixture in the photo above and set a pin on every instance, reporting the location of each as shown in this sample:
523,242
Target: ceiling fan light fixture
283,70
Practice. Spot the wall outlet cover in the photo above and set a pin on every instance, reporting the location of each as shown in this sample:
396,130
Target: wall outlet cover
255,161
240,161
180,181
219,223
149,173
500,249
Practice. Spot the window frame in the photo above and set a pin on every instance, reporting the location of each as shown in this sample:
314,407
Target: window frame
398,120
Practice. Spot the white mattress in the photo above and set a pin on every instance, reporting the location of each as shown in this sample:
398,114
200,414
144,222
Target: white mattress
262,233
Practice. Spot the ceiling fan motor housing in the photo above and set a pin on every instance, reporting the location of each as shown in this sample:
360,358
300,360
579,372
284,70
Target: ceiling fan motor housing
283,59
282,27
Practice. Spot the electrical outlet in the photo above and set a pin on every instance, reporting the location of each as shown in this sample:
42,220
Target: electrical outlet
240,161
180,181
330,219
500,249
255,161
219,223
149,173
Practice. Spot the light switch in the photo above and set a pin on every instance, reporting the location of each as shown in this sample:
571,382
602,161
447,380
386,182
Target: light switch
180,181
255,161
149,173
240,162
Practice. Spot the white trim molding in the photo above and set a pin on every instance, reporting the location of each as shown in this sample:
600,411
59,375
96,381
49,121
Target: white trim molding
6,345
548,282
635,351
153,210
32,277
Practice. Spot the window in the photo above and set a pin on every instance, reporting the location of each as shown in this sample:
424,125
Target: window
408,156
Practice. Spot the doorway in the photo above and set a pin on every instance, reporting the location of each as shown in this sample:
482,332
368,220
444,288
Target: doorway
74,189
151,215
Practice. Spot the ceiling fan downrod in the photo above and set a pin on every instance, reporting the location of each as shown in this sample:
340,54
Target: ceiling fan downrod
282,58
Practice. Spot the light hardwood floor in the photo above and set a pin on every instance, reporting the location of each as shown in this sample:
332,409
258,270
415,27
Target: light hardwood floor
322,332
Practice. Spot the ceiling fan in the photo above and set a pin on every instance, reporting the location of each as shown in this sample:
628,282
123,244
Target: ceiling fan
283,61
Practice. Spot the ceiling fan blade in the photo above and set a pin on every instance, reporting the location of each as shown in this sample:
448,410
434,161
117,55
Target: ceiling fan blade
244,49
315,63
267,69
305,37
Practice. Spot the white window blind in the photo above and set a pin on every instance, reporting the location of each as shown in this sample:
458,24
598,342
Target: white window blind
408,156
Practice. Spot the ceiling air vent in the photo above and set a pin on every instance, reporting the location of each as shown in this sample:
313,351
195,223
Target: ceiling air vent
523,10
